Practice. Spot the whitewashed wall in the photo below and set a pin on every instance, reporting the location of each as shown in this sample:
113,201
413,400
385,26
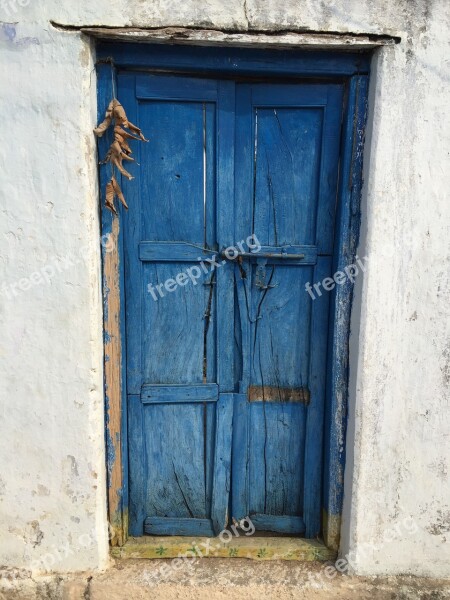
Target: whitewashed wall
52,476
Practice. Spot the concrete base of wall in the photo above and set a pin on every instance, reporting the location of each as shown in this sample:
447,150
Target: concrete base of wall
220,579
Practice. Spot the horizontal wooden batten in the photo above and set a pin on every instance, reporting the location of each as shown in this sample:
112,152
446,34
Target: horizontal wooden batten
269,393
167,526
312,96
234,60
175,394
279,524
150,87
173,252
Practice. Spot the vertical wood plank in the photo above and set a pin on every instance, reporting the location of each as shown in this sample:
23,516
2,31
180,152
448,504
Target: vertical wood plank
137,455
113,384
328,182
239,485
132,225
225,234
222,462
316,408
113,332
346,236
243,177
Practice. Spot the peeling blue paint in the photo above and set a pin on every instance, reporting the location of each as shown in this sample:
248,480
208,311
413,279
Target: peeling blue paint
106,291
107,407
110,455
9,31
9,34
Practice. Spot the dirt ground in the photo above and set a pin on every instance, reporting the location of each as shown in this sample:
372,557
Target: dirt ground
217,579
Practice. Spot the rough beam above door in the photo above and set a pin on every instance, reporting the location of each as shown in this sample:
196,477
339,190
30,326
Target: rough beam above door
256,39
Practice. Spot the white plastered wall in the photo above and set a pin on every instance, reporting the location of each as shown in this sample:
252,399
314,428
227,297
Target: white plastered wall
397,505
52,476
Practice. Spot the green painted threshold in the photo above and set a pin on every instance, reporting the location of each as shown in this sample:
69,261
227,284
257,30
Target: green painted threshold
252,547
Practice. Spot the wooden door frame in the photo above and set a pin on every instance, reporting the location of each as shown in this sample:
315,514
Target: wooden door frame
351,68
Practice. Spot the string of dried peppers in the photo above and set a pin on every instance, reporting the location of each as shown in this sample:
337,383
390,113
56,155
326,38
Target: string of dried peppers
119,150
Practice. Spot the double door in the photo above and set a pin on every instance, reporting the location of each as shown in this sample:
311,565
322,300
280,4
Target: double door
230,216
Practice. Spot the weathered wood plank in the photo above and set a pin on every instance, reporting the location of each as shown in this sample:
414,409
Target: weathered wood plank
243,199
113,332
160,394
175,454
347,236
177,526
225,234
173,178
316,408
113,382
137,453
278,523
329,170
289,151
155,87
132,225
276,458
252,547
236,60
171,328
222,462
280,332
210,37
240,451
173,252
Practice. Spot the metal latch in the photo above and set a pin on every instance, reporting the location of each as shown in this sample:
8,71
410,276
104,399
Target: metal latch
267,255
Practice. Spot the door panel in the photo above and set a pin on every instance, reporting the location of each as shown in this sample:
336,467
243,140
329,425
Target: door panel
173,329
286,183
179,419
174,435
280,329
226,375
277,440
177,172
288,152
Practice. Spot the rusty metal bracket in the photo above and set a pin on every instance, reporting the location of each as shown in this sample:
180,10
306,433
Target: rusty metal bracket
260,276
271,393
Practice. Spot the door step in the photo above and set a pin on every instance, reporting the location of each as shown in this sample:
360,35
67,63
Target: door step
257,548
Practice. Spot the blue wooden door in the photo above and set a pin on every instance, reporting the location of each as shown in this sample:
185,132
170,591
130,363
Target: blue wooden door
226,357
